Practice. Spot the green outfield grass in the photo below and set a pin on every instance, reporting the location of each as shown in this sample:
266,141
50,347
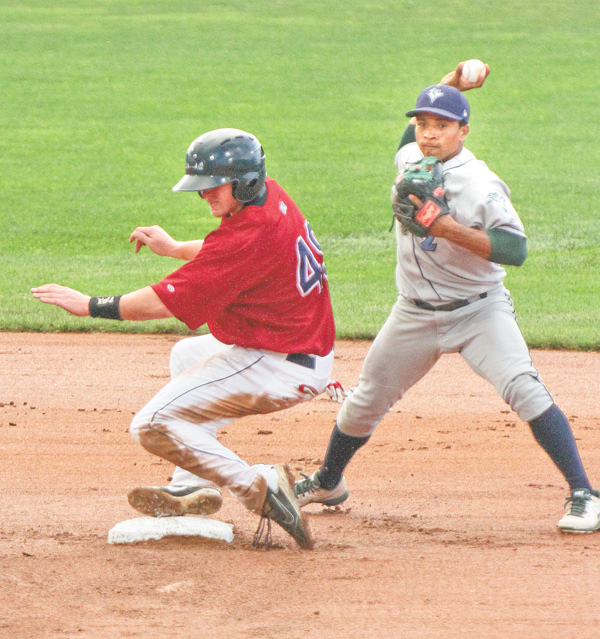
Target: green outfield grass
101,99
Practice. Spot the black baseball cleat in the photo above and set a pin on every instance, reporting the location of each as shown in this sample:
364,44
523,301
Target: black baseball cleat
175,501
282,507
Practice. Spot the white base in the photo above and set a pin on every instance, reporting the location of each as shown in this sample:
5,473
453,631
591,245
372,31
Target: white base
144,528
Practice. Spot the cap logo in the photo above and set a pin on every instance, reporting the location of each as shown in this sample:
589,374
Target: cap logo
434,93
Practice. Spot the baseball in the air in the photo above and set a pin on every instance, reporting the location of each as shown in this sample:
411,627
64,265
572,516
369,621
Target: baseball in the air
471,70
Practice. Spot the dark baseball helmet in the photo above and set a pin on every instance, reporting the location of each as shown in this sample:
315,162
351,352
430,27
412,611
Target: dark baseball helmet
222,156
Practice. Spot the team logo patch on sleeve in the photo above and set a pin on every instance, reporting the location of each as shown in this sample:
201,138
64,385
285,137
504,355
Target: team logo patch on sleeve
496,198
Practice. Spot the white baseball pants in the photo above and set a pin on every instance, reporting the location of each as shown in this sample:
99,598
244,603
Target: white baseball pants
212,384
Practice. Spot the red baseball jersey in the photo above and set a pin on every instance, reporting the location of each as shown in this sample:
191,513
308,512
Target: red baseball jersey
258,281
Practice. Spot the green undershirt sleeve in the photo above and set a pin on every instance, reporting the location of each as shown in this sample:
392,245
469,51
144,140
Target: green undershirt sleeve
507,247
408,136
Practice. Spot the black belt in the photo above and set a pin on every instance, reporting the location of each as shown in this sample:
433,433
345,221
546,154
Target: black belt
452,306
302,359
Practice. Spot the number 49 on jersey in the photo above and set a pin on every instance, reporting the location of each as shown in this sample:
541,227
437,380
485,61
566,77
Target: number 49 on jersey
309,273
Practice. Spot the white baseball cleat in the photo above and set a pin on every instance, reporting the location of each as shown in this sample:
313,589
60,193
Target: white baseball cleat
308,491
175,501
582,512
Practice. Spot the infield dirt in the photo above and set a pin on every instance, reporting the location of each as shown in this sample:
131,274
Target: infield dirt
450,529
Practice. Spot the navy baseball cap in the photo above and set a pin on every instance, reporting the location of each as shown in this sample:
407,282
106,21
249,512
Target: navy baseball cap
443,100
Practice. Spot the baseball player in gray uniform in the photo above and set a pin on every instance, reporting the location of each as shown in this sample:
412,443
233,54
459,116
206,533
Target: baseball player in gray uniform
452,300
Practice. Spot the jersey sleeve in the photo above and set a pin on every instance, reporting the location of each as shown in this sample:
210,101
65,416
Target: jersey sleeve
488,199
201,289
408,153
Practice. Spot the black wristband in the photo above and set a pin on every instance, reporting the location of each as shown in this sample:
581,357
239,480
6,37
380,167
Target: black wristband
106,307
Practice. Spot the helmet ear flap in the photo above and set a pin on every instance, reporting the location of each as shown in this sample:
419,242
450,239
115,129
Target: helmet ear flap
245,188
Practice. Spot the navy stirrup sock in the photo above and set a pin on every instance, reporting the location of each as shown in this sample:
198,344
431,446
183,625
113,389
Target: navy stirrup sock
339,452
553,433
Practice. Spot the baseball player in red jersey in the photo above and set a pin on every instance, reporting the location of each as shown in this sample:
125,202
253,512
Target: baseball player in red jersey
259,283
